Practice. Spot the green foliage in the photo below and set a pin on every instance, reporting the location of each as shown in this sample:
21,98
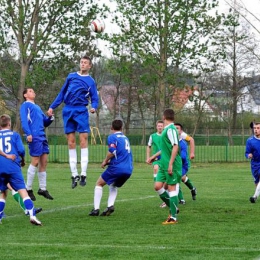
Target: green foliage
216,226
43,34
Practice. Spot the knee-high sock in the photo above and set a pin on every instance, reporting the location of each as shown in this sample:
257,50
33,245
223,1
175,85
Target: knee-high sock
174,201
42,176
30,176
29,206
112,195
73,162
188,183
98,192
257,190
19,199
84,161
164,196
180,195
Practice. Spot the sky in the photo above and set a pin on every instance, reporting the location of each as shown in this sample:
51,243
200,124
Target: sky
252,6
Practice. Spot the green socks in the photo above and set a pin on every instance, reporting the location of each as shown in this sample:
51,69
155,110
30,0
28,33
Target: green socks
18,198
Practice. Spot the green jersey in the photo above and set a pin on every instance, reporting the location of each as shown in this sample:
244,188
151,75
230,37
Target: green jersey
168,140
155,142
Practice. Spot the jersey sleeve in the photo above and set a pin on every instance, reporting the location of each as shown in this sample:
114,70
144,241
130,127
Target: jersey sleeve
94,96
60,97
25,116
112,144
47,120
150,141
185,137
19,145
248,148
173,136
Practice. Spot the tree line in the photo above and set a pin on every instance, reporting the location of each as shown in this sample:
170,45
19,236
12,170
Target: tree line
160,47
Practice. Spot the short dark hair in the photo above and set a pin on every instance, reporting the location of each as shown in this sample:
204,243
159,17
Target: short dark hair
159,122
117,124
25,92
179,124
4,120
169,114
85,57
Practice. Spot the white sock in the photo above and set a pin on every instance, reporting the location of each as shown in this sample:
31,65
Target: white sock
42,176
112,196
30,176
73,162
98,192
84,161
257,190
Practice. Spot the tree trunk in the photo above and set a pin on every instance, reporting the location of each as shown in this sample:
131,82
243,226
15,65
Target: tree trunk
17,124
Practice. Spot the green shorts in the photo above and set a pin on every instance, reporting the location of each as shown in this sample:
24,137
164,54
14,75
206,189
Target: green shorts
164,176
157,162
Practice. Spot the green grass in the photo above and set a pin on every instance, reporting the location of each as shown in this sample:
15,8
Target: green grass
220,224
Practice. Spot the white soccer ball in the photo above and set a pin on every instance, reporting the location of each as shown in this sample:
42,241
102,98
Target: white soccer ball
97,26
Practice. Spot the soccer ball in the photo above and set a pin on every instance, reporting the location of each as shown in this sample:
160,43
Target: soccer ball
97,26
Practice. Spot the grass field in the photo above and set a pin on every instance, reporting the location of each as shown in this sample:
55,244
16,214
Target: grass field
220,224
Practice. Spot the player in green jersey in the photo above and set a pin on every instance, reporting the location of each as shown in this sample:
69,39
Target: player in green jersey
170,170
154,144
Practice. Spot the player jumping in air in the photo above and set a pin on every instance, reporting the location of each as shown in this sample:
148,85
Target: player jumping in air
77,92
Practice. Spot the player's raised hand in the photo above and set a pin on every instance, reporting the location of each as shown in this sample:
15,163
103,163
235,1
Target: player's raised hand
50,112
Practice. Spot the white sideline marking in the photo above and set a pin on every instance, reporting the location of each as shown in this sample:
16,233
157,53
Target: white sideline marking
80,206
126,246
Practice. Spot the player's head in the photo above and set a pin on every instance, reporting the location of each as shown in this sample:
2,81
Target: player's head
168,114
257,129
179,127
117,125
5,121
29,94
85,63
159,126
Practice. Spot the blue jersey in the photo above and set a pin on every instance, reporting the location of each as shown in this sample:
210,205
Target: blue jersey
76,91
11,143
184,156
33,119
253,146
119,145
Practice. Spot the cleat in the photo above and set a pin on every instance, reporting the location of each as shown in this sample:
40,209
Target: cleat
193,193
35,221
45,194
82,180
182,202
170,221
74,181
31,195
36,210
252,199
163,205
94,212
108,211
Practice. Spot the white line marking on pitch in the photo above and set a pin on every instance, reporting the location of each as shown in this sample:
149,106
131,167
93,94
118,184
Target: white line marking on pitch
126,246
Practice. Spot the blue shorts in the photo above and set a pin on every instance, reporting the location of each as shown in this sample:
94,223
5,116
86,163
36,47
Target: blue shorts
16,180
117,179
75,119
256,175
38,146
